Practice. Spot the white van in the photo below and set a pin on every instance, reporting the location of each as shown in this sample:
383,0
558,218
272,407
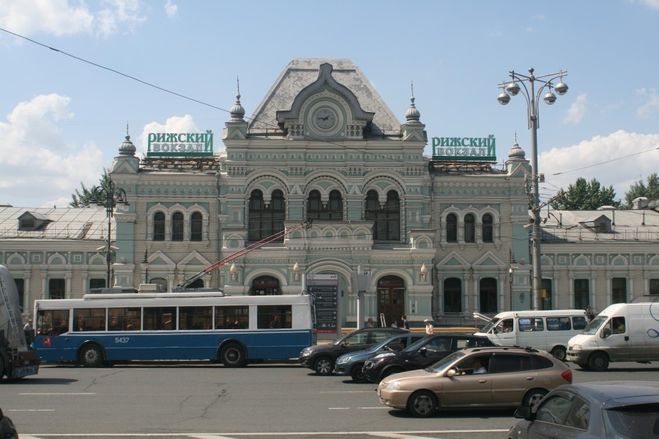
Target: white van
548,330
621,332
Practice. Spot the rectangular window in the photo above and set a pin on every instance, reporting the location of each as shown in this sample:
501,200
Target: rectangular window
619,290
195,317
124,319
162,318
56,288
89,319
531,324
581,293
579,322
231,317
53,322
274,316
654,286
558,324
20,287
96,283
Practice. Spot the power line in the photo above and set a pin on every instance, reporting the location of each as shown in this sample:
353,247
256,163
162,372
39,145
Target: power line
607,161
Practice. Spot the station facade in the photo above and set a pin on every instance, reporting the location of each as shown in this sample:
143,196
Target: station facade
437,238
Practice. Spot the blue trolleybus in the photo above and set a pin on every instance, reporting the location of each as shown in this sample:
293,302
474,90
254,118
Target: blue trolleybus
234,330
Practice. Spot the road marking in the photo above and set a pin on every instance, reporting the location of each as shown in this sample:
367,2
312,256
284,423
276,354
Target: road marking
55,394
339,408
265,433
346,391
379,407
31,410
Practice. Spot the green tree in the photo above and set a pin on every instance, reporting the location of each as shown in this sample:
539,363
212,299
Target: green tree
638,189
584,195
84,196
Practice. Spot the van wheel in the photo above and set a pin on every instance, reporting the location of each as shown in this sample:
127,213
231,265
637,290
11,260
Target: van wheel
558,352
422,404
533,397
91,355
598,361
323,366
357,373
232,355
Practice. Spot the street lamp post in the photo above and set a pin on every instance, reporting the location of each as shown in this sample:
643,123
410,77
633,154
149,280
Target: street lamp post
109,196
512,88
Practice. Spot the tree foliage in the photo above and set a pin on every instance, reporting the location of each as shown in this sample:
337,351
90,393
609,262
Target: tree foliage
84,197
584,195
639,189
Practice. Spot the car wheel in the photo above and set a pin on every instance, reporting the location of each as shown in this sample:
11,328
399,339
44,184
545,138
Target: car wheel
232,355
324,366
422,404
598,361
357,373
91,355
533,397
558,352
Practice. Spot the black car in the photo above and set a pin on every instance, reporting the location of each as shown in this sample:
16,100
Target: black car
322,357
421,354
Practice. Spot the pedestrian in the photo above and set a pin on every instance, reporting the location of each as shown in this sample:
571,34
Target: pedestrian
406,323
370,323
590,315
430,329
7,428
28,325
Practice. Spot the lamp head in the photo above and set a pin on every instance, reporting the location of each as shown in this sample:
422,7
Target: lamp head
550,98
503,98
512,88
561,88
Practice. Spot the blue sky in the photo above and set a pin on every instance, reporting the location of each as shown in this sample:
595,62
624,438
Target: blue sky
61,120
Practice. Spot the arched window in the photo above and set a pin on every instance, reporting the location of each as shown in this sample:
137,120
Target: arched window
470,228
266,220
452,295
265,286
386,219
335,208
158,226
488,295
451,228
196,226
177,226
314,205
488,228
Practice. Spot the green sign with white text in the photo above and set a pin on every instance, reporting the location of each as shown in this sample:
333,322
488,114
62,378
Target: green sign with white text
471,149
180,144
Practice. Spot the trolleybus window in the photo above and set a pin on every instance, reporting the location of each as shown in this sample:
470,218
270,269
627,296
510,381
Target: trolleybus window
160,318
195,317
231,317
124,319
53,322
89,319
274,316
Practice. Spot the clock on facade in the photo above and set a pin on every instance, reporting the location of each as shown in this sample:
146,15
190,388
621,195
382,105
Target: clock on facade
325,118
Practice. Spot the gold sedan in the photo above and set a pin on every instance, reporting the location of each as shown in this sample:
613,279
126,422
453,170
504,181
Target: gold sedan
476,377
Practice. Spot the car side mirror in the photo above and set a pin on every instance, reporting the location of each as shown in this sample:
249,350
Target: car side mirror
451,373
524,412
423,350
606,332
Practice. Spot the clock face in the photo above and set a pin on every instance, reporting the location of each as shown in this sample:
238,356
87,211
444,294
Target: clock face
325,118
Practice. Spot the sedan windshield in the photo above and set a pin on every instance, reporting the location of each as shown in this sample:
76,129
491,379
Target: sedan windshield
634,422
416,345
594,325
449,359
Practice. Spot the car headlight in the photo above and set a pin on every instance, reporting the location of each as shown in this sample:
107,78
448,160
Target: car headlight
305,352
393,385
343,359
576,347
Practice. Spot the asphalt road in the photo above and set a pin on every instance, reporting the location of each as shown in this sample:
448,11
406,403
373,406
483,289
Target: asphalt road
260,401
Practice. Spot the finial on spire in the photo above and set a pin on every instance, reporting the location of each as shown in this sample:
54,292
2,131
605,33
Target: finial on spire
515,136
237,111
412,88
412,114
238,87
127,133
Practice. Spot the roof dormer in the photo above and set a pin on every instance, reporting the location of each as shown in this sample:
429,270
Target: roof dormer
32,221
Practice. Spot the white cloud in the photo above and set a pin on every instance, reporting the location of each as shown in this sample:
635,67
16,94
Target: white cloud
170,8
38,165
618,159
175,124
577,110
652,3
651,101
65,17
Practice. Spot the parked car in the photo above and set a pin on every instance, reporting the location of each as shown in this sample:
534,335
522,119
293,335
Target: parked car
421,354
353,362
321,357
476,378
7,428
595,410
